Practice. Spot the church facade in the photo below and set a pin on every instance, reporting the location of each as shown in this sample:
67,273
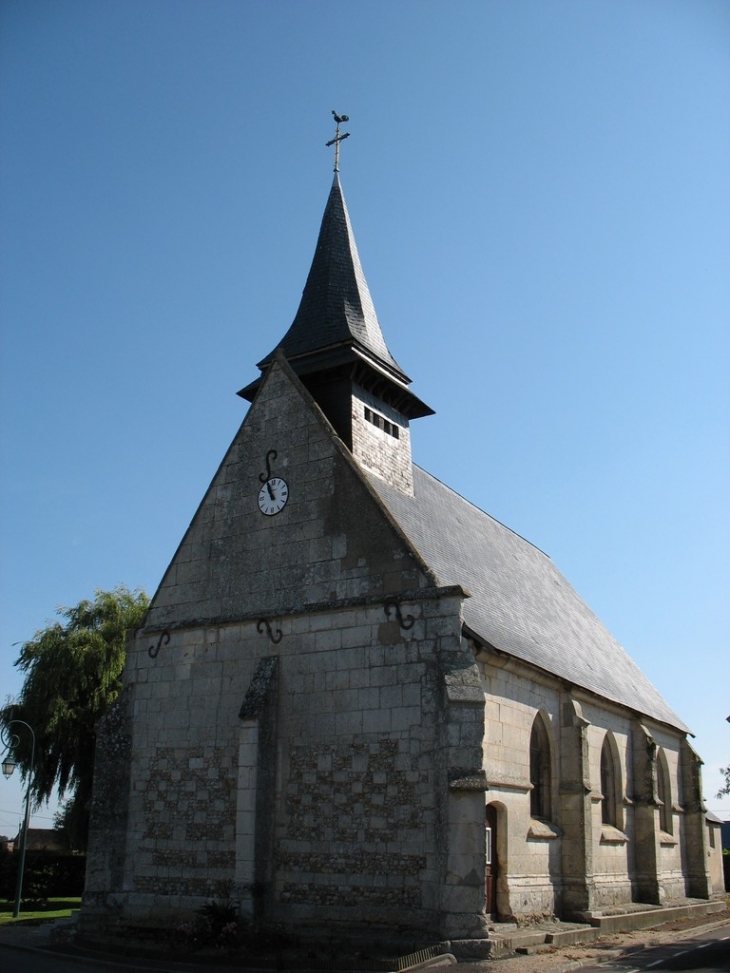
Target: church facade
358,702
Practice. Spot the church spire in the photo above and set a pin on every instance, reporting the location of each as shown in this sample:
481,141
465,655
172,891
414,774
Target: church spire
336,324
336,319
335,343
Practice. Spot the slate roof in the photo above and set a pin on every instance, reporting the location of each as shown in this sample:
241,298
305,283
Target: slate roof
336,307
336,327
520,603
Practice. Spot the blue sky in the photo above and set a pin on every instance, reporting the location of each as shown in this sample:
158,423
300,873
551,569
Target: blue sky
540,192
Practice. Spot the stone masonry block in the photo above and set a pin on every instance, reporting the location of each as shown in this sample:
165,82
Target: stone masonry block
360,678
384,676
350,658
405,717
328,641
391,697
337,679
376,721
348,723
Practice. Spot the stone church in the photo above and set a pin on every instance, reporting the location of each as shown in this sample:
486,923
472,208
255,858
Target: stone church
359,702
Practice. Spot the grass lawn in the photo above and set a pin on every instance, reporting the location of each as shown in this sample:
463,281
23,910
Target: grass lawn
53,909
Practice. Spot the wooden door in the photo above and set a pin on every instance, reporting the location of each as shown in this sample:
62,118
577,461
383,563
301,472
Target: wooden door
491,860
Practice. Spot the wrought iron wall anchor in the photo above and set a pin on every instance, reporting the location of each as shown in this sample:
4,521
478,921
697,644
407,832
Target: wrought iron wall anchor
405,623
154,650
274,637
271,455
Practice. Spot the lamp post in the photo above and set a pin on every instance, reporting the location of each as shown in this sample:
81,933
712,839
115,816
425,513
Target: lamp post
8,766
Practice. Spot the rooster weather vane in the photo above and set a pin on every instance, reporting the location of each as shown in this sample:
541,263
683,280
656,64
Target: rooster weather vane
338,138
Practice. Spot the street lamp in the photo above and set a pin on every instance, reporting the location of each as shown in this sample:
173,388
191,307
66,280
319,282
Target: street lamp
11,741
8,765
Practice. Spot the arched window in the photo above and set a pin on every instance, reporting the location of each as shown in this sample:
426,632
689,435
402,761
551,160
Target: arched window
540,773
664,793
610,790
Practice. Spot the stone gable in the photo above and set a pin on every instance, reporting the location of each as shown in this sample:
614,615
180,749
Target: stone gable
332,541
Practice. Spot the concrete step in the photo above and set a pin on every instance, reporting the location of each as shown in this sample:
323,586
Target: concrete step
551,933
532,950
527,937
517,940
628,921
569,937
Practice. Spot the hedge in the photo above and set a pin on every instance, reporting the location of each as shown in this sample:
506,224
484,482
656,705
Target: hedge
47,875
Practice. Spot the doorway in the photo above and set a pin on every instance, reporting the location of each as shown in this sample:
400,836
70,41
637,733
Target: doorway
492,863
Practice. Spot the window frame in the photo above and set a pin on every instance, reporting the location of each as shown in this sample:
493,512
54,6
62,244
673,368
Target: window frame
611,789
540,770
664,793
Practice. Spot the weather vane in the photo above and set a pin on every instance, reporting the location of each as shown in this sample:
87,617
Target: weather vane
338,138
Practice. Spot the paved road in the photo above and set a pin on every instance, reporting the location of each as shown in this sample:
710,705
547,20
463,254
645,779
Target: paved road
36,961
19,961
708,952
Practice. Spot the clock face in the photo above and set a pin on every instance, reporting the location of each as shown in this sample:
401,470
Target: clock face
273,496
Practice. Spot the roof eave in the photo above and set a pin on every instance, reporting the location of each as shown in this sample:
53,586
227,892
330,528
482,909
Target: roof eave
347,360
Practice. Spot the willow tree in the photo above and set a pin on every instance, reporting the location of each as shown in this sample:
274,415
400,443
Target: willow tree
73,675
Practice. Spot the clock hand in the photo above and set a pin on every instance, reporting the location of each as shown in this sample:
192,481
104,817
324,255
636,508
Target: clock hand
271,492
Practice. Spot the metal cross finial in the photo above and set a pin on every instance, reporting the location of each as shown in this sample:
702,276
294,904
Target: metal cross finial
338,138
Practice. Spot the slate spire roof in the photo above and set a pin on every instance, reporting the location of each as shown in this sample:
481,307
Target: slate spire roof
336,326
336,307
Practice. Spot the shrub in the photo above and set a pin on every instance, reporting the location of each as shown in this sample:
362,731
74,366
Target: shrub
216,924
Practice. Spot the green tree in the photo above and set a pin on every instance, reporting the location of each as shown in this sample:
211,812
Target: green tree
73,675
72,820
725,789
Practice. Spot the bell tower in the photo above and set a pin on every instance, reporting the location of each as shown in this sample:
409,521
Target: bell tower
336,347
